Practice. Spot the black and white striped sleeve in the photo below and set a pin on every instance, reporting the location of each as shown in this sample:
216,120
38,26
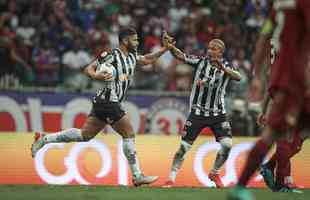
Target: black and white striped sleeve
192,59
105,57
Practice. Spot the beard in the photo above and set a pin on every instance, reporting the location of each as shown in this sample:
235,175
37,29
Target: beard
132,48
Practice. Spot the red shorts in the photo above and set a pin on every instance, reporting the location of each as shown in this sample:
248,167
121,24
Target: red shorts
279,111
287,76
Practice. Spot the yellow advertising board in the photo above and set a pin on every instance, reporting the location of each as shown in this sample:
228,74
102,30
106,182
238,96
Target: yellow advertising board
101,161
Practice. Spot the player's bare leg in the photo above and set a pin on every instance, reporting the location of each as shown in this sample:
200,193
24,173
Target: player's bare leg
221,157
124,128
91,127
177,162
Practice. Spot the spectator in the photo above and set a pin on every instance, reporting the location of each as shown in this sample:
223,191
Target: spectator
46,63
74,61
193,24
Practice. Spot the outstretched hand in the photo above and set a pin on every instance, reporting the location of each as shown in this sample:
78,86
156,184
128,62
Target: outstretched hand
167,40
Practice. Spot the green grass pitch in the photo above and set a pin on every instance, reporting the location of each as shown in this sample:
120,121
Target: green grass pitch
51,192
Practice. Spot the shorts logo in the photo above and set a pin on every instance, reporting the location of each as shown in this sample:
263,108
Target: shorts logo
109,121
225,125
188,123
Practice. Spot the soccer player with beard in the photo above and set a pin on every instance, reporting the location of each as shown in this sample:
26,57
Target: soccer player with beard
107,107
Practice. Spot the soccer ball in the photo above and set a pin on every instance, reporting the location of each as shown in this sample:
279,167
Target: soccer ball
106,68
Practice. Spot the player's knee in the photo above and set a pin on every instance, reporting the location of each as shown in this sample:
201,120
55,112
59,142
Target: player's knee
87,136
269,135
188,138
184,147
128,135
226,145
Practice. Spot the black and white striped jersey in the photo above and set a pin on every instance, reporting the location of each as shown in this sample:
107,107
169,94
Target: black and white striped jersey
115,90
207,99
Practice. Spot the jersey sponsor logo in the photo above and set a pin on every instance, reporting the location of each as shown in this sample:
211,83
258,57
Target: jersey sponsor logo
124,77
188,123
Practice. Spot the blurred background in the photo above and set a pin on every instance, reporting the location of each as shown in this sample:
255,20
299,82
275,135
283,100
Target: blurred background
44,45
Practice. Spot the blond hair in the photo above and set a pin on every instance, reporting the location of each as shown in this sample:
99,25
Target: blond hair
219,42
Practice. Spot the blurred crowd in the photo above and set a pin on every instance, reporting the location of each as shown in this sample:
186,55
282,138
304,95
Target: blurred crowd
48,42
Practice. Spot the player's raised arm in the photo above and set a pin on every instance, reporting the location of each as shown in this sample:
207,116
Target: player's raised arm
151,57
169,42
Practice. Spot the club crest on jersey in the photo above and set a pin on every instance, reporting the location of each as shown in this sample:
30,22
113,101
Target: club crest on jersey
103,54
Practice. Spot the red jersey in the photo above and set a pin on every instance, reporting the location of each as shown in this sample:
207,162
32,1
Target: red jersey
292,41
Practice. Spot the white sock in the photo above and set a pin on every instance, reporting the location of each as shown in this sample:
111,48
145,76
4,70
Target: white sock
68,135
178,160
130,153
222,154
173,175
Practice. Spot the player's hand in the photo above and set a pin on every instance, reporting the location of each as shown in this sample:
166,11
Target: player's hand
261,119
103,76
167,40
217,62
